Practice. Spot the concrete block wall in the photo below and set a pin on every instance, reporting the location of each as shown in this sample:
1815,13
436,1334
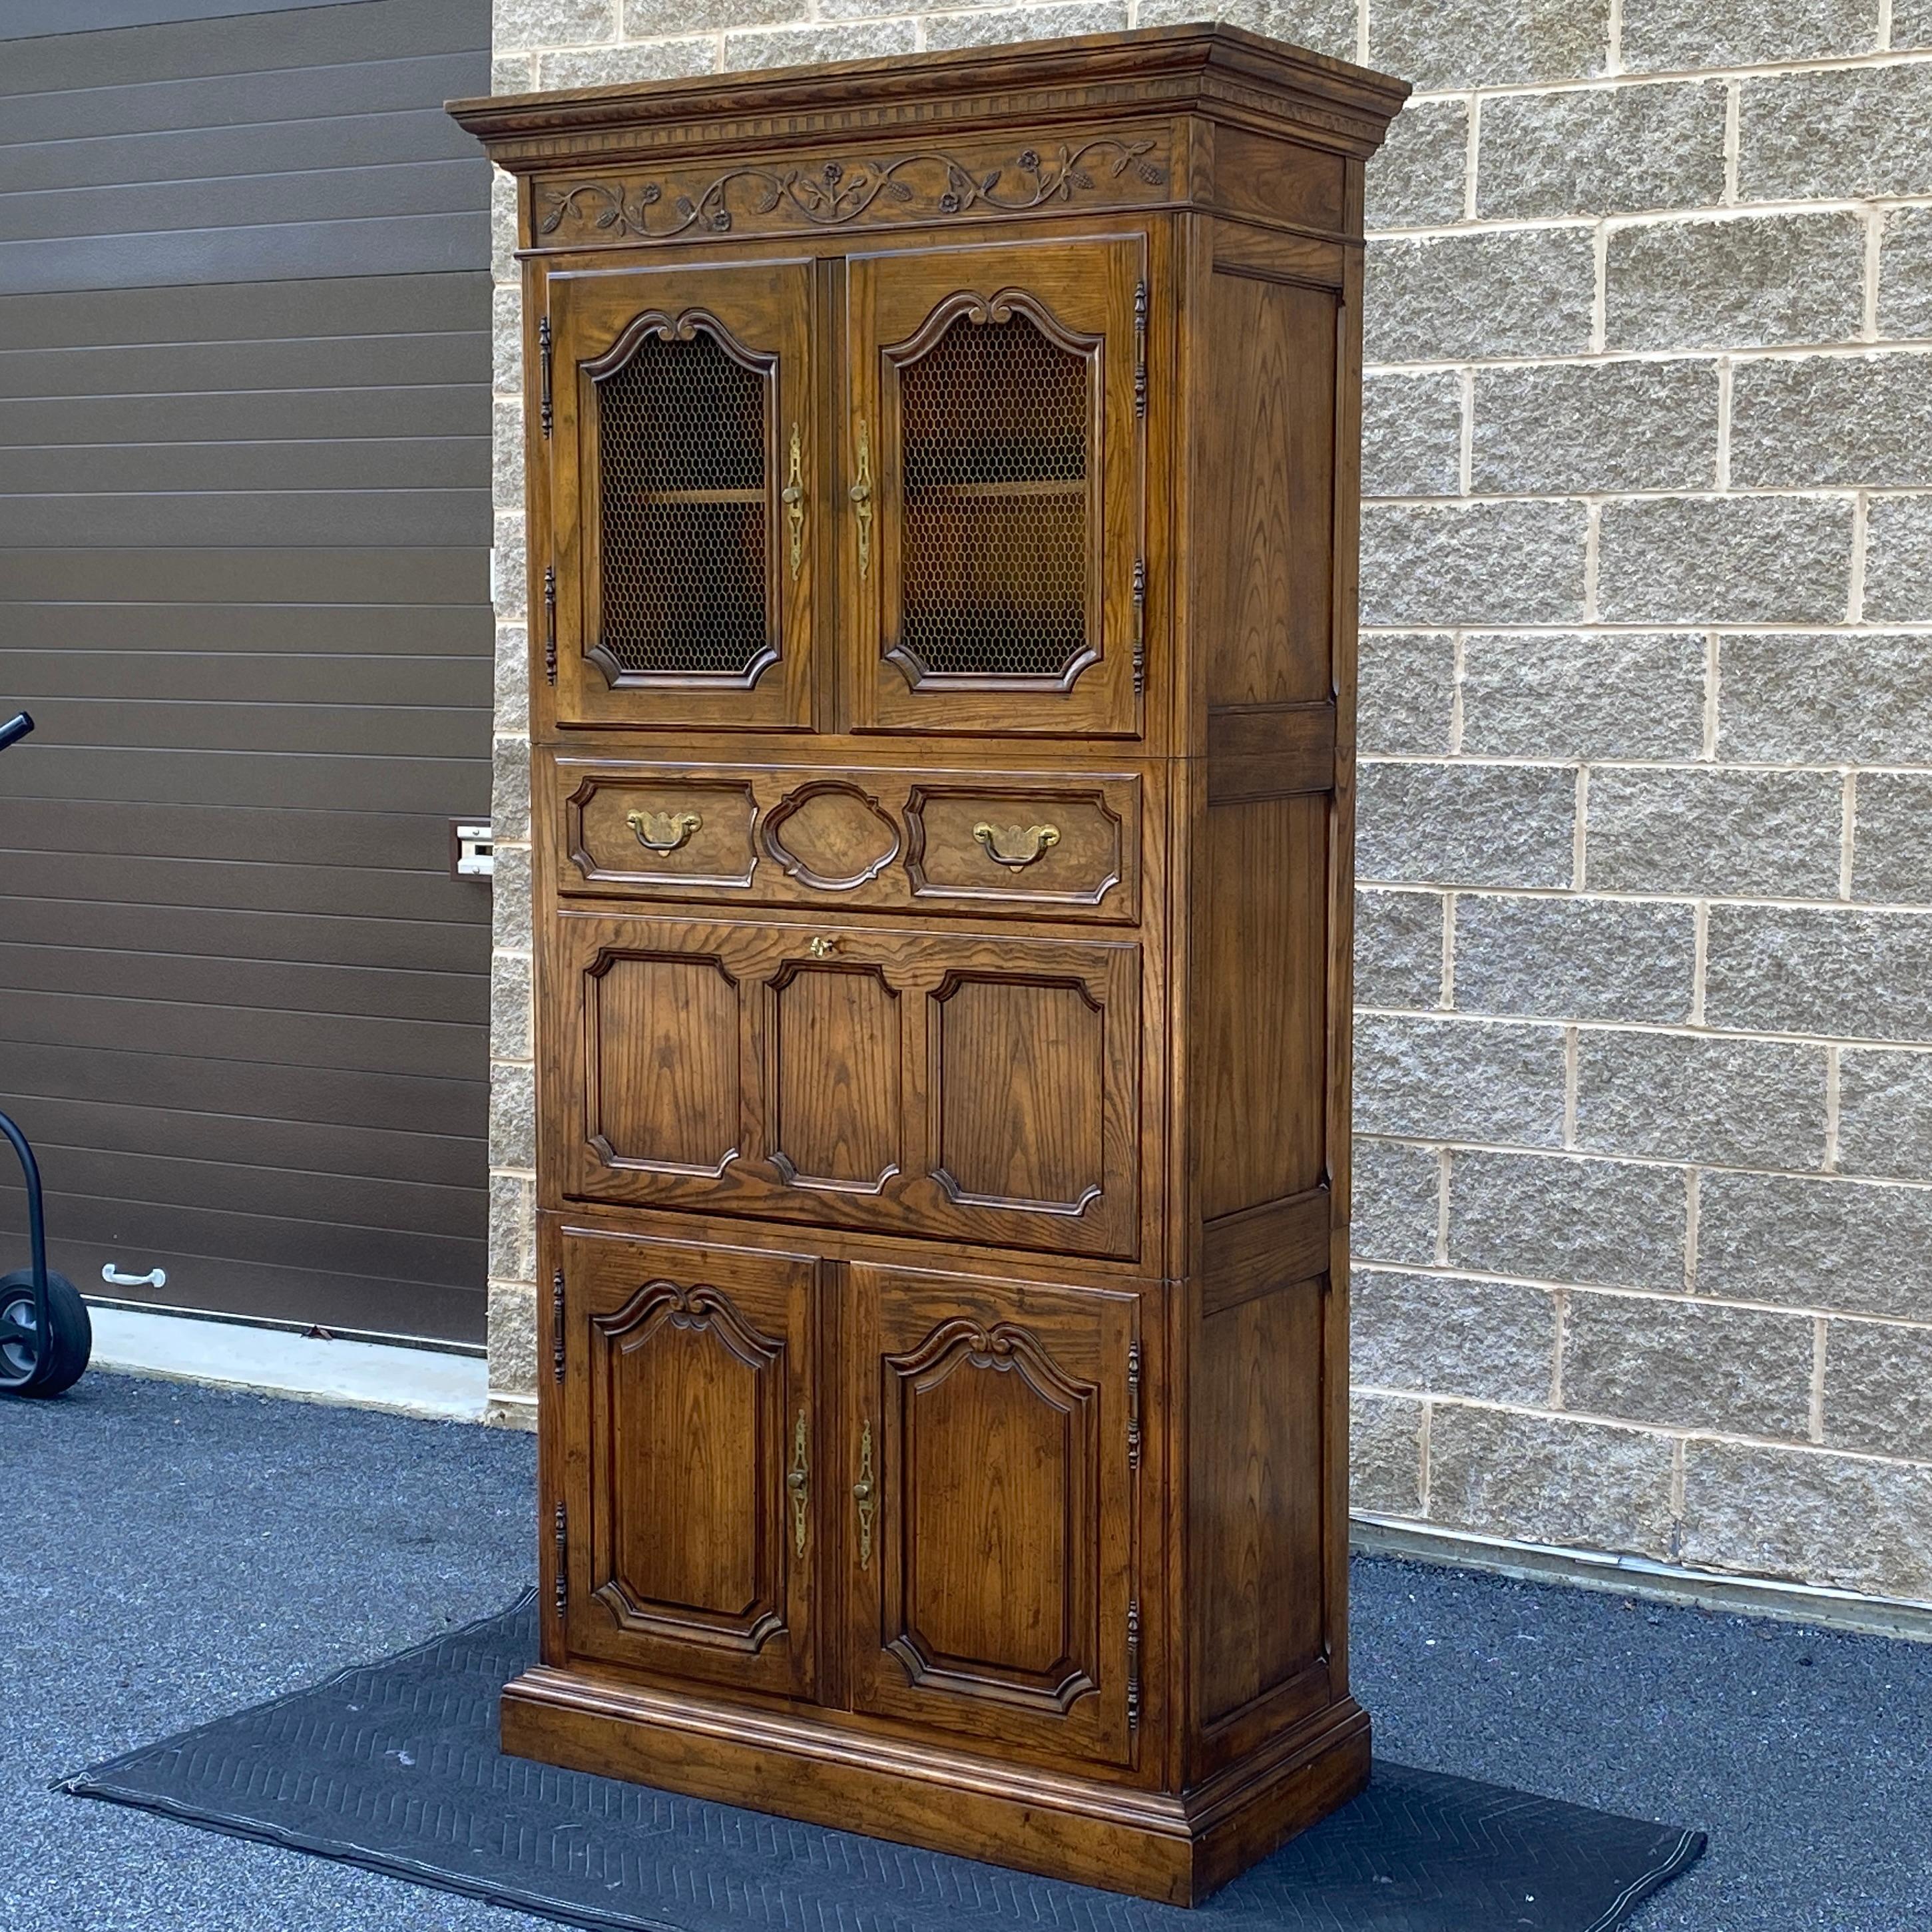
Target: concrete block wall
1645,943
1644,1081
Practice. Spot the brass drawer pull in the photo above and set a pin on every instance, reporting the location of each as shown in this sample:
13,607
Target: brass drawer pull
1014,845
793,497
819,947
663,831
862,1491
798,1482
861,493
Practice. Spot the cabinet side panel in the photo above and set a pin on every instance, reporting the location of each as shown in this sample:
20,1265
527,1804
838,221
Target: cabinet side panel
1262,175
1266,586
1256,1477
1262,965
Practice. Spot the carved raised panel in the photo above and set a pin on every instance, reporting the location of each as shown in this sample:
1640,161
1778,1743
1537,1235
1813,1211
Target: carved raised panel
848,190
662,1078
1019,1081
944,1086
686,1406
999,1603
998,1495
831,836
835,1076
692,1399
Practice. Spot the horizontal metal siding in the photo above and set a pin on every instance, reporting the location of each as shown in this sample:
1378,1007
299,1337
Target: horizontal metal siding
27,19
272,147
244,587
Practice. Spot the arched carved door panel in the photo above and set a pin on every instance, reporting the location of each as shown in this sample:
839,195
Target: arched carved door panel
694,1520
993,1591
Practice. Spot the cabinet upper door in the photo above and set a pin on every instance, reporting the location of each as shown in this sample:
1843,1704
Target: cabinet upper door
993,557
683,515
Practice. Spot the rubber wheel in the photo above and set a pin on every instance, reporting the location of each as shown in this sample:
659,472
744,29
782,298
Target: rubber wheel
30,1364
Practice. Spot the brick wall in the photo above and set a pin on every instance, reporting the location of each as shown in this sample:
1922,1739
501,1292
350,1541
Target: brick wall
1644,1079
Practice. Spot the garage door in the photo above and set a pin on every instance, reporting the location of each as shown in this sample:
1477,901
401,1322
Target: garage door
244,584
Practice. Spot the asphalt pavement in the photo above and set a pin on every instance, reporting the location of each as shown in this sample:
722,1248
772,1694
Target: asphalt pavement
171,1553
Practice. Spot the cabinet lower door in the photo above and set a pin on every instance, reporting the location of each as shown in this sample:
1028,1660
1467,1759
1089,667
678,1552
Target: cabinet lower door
691,1459
992,1539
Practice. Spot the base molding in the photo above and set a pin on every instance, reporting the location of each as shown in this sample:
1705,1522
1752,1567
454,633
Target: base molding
1154,1845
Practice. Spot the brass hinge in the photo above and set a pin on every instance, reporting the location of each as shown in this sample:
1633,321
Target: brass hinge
544,411
560,1583
1140,625
556,1324
1140,348
1134,1405
550,622
1134,1665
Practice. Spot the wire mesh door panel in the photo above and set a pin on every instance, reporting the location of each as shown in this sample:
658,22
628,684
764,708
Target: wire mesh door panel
993,479
997,497
685,512
684,504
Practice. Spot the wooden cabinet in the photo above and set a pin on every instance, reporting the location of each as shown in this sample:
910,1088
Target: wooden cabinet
942,482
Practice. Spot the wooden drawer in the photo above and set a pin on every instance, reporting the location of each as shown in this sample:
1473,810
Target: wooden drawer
1016,842
654,830
1060,845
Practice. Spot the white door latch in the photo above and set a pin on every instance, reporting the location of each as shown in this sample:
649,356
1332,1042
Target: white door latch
473,852
153,1278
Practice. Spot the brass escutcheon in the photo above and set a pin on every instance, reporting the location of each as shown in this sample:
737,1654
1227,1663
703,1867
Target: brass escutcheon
862,1493
861,494
794,498
798,1482
1015,845
663,831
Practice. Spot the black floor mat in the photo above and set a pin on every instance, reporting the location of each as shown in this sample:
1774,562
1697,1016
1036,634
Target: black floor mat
394,1766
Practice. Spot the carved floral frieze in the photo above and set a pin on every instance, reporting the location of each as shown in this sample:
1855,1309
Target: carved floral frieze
1104,171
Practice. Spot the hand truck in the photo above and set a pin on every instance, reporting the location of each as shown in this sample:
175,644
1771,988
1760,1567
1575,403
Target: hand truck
46,1337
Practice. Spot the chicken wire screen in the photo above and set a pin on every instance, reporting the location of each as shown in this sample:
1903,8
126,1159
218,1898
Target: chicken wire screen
997,473
684,508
